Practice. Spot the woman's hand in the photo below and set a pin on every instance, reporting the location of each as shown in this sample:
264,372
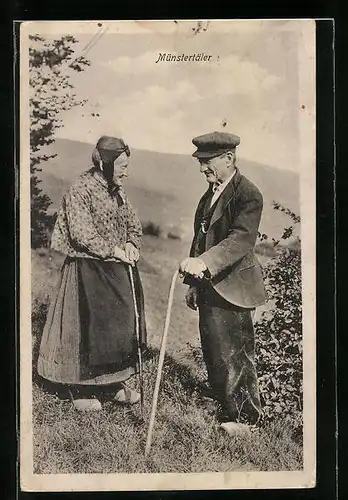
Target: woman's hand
121,255
132,253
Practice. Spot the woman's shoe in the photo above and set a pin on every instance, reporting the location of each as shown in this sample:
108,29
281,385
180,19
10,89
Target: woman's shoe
126,395
83,403
87,404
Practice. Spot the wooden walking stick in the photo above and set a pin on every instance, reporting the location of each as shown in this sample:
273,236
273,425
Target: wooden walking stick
160,364
137,333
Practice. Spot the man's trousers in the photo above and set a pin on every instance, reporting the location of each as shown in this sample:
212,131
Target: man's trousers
227,337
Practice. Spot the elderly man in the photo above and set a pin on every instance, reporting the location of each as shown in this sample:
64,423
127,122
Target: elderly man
89,339
225,279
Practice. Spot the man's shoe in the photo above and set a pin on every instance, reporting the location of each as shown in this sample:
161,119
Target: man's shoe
235,428
207,394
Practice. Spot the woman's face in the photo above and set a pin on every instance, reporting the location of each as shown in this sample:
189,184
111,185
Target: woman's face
121,168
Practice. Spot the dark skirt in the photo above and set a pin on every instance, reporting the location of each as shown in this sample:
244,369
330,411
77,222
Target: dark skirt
90,335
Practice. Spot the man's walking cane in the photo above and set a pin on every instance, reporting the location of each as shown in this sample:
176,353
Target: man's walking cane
137,333
160,364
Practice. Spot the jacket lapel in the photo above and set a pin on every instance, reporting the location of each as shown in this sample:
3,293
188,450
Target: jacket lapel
225,198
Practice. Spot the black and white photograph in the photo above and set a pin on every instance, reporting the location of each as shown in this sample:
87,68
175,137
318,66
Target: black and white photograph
167,255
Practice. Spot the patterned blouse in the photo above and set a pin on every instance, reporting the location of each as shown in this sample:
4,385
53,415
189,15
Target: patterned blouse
91,221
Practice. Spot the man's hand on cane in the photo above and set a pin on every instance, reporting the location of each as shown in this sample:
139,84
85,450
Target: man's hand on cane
196,268
193,267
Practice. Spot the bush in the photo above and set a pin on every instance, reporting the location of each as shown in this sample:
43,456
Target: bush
279,339
173,236
39,311
266,249
152,229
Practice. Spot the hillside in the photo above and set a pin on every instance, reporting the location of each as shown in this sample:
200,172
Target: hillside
165,188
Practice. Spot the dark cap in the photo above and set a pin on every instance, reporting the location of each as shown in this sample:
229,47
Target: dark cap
214,144
111,147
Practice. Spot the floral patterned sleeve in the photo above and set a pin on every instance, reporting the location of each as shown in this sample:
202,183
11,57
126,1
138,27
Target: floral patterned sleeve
134,229
82,229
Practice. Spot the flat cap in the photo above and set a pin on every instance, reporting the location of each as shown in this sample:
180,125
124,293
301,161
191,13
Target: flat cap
214,144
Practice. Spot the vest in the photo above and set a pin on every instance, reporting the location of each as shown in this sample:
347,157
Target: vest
204,224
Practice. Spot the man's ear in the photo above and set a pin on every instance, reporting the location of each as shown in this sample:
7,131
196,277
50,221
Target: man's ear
229,158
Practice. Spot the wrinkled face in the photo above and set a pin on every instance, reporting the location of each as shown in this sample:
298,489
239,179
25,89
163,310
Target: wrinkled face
218,169
117,170
120,169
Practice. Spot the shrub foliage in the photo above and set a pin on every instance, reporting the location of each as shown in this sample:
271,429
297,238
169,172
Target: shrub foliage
279,332
152,229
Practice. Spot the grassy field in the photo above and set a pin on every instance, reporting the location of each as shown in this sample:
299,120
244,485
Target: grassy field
186,435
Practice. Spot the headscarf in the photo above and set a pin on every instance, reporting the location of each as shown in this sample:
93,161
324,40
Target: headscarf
107,150
111,148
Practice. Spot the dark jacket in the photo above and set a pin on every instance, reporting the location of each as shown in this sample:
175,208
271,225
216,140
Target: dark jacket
230,240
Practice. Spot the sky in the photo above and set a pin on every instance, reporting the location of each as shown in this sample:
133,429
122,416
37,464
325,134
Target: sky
251,84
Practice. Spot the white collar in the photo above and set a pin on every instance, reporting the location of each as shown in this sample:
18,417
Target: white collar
221,187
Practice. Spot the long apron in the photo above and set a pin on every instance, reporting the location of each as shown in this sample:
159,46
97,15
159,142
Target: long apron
89,336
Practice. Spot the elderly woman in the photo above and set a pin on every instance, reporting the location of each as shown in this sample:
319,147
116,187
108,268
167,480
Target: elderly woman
90,334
